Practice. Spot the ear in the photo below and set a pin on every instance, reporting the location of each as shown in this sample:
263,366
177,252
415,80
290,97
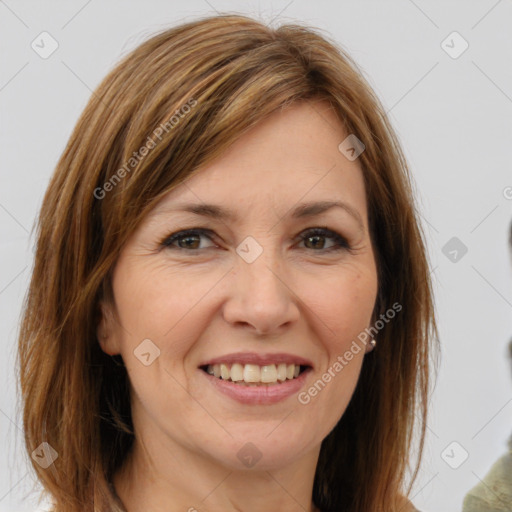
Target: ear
105,331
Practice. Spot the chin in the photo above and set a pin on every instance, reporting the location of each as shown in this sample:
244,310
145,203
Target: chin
262,449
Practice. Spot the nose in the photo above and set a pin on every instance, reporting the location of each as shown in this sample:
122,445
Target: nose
260,297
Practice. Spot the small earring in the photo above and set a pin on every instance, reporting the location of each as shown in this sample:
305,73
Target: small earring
373,343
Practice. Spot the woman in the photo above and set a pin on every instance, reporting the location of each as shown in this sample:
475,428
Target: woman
230,307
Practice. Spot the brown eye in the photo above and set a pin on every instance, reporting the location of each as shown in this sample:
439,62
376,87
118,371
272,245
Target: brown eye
188,239
316,240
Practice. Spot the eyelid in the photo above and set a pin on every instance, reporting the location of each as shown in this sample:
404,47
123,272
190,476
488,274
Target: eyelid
342,244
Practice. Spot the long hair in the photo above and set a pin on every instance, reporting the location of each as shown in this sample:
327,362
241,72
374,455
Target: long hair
186,94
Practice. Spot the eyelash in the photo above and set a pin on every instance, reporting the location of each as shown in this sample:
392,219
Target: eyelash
341,242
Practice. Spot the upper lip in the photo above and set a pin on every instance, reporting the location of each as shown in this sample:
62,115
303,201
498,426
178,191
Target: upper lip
259,359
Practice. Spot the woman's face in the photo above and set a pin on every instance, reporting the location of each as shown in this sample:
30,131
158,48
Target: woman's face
255,293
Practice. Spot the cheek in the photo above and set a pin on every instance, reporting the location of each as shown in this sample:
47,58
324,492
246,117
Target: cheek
345,307
161,306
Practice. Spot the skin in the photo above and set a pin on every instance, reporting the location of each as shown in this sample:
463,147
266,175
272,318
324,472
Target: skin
196,304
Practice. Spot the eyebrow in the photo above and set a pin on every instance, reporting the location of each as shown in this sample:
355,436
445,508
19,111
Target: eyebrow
304,210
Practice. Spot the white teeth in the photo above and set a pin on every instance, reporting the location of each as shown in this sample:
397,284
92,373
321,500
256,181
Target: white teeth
237,372
224,371
253,374
268,373
281,372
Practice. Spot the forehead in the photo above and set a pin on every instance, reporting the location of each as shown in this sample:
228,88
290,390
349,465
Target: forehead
289,159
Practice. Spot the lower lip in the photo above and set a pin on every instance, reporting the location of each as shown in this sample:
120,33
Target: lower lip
258,395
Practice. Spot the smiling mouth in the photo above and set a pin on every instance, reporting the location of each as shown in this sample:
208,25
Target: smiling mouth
253,374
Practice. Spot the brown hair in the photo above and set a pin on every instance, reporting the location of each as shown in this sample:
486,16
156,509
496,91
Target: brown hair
233,72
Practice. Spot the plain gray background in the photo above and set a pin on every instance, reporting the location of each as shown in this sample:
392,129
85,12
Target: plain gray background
453,114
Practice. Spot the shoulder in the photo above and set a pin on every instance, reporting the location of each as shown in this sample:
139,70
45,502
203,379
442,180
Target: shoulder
46,507
494,490
406,505
409,507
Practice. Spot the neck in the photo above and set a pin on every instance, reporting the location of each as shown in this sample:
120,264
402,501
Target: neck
174,478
